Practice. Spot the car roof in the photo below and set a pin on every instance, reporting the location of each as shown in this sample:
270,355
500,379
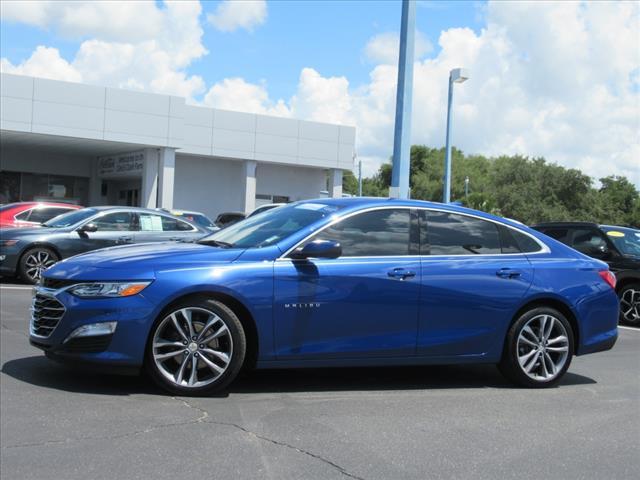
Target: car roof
44,204
565,224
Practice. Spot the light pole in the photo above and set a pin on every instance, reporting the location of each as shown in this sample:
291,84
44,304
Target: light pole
457,75
402,135
466,187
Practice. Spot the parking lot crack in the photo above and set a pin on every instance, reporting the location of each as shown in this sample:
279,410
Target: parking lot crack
205,418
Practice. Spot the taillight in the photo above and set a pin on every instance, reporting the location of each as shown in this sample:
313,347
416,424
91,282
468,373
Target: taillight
608,277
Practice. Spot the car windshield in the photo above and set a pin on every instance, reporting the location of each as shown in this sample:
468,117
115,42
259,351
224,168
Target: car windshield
199,219
71,218
271,226
627,240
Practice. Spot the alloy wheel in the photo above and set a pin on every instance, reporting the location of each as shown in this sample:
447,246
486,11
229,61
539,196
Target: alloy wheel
192,347
543,347
630,305
37,262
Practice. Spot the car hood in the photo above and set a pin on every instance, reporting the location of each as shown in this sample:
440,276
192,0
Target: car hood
17,232
140,261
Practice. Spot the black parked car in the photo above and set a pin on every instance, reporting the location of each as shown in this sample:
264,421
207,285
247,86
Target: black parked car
29,251
618,246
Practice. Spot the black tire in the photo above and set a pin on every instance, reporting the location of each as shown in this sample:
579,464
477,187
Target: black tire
31,263
629,297
235,341
510,363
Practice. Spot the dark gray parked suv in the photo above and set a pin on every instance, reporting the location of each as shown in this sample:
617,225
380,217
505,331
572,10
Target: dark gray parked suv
28,251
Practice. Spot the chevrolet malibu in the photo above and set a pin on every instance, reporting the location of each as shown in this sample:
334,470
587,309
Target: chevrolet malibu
328,283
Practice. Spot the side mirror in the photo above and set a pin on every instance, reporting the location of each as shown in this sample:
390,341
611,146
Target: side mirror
600,251
88,228
318,249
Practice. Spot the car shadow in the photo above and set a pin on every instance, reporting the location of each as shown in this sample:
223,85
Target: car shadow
39,371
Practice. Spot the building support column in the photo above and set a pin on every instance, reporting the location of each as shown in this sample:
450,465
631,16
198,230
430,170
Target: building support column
166,171
95,185
335,183
249,184
149,190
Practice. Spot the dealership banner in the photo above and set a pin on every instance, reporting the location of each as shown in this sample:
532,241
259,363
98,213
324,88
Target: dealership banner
123,165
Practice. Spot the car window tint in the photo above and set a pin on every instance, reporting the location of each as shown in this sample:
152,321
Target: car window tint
376,233
117,222
586,240
508,242
41,215
453,234
560,234
24,216
525,242
175,225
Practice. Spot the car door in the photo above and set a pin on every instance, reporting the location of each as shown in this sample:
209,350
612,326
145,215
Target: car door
153,227
114,228
473,279
362,304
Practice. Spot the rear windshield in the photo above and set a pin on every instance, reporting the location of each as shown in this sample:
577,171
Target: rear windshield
71,218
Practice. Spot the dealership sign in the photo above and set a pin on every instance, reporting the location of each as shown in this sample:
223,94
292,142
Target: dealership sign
124,165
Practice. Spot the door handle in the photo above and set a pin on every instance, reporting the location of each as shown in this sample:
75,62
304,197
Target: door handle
124,239
401,273
508,273
175,239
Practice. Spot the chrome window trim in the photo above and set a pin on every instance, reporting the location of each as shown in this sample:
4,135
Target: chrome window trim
135,212
543,247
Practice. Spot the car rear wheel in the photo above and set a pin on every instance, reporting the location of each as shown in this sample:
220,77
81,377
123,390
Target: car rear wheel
35,261
629,297
196,348
539,348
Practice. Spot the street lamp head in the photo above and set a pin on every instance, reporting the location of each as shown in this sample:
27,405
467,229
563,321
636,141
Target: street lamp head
459,75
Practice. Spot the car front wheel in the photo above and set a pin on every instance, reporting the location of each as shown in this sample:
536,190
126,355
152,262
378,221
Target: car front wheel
196,348
539,348
35,261
629,297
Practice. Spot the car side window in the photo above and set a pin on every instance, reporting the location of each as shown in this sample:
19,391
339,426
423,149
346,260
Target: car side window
175,225
560,234
587,240
454,234
41,215
114,222
372,234
525,242
24,216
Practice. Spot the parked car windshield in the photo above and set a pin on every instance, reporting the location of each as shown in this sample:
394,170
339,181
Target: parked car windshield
627,240
199,219
71,218
271,226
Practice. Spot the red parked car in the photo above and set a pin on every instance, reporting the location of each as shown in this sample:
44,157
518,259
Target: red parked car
30,214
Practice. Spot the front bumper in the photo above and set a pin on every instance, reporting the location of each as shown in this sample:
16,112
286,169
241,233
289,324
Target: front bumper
8,261
124,348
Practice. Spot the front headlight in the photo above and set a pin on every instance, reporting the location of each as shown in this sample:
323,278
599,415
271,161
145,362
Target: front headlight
107,289
8,243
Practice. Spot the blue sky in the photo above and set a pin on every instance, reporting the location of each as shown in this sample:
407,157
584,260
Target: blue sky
552,79
328,35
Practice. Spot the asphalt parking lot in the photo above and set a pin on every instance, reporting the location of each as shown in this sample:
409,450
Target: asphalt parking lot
392,423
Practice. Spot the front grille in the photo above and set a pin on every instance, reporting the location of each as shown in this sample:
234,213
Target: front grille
46,312
56,283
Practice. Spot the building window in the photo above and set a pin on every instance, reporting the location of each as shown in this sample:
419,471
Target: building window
18,186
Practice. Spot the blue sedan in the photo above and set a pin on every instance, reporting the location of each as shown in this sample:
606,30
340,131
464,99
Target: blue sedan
328,283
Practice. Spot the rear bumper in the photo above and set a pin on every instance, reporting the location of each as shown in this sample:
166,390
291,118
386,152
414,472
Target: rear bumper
600,343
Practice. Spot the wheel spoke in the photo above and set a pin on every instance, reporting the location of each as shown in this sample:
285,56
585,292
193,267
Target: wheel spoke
527,341
213,319
531,333
193,378
558,349
180,372
550,324
186,313
167,343
558,339
221,331
532,362
543,326
212,365
178,328
221,355
164,356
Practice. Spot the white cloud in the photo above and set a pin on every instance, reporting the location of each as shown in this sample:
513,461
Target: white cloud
123,51
231,15
384,47
237,94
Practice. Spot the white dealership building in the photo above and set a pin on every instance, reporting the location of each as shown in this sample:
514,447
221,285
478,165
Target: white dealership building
107,146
